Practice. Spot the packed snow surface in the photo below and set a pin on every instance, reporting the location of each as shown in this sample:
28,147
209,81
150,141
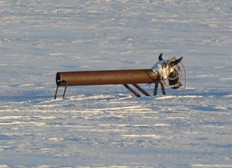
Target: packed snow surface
106,126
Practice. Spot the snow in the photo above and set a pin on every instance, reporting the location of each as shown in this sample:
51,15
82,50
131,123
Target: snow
106,126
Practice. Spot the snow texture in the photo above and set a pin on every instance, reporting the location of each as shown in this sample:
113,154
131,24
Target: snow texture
106,126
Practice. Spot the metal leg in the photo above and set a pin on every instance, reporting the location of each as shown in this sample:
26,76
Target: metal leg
141,89
132,90
156,88
65,83
64,91
163,88
56,92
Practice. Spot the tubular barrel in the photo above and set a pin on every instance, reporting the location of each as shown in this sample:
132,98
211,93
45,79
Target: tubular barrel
78,78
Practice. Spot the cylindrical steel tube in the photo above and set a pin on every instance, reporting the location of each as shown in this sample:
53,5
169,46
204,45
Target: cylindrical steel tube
106,77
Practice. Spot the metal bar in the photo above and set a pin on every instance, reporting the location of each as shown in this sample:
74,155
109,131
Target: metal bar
156,88
65,89
56,92
132,90
163,88
106,77
141,89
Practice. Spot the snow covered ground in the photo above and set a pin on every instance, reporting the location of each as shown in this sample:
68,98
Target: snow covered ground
105,126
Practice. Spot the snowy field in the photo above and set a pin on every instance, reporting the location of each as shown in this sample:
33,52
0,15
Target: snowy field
106,126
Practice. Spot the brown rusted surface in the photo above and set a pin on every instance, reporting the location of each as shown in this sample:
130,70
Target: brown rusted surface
124,77
106,77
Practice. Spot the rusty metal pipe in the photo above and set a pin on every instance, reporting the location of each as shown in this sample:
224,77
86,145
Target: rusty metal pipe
106,77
